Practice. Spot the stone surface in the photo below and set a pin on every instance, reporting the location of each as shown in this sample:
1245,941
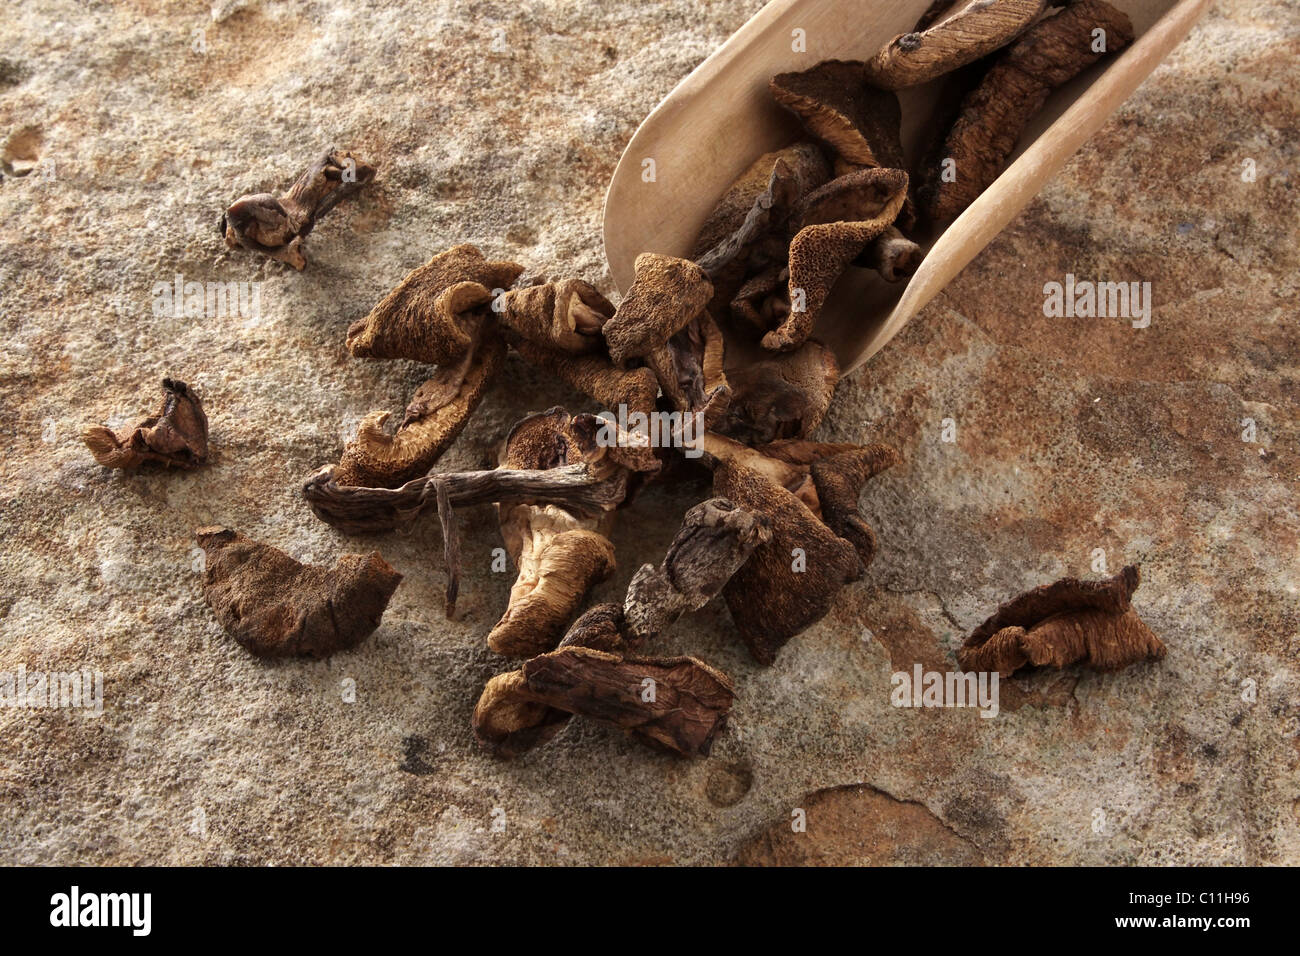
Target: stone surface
500,124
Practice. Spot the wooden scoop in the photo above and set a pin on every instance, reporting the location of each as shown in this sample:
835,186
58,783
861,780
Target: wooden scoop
721,118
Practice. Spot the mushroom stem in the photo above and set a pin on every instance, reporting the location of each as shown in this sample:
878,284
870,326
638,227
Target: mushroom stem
358,510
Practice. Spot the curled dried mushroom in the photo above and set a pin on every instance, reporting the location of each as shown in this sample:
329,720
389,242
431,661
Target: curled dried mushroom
416,321
858,122
1014,88
277,227
789,583
975,30
436,415
176,437
1091,622
275,606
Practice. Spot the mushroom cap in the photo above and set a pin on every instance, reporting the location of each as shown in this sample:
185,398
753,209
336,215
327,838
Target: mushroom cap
437,414
598,378
860,123
1064,622
971,32
567,315
176,437
839,480
685,714
775,180
275,606
508,722
769,600
412,323
778,396
835,224
667,293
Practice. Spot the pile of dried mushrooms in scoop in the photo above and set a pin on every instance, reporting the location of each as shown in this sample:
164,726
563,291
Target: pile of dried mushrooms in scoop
709,364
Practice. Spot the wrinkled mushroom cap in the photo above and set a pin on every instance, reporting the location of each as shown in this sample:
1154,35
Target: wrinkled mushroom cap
769,600
835,224
176,437
411,323
435,417
858,122
1061,623
567,315
276,607
778,396
667,293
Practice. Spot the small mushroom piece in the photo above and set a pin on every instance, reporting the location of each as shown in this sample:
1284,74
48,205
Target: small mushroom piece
892,254
567,315
779,396
677,704
436,415
276,607
839,480
715,539
788,584
666,294
560,556
974,31
1015,87
859,123
277,227
601,627
417,321
176,437
755,207
1059,624
695,383
835,223
600,380
508,721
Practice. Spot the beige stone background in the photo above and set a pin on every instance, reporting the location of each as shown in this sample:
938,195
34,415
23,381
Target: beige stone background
1073,434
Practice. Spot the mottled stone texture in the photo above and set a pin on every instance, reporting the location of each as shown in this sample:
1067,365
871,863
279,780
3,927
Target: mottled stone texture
499,124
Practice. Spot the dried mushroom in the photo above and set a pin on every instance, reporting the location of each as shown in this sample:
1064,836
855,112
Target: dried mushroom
176,437
788,584
416,321
757,206
666,295
437,413
276,607
746,229
599,379
1015,87
859,123
277,227
975,30
839,478
567,315
835,223
1058,624
782,395
695,382
560,555
677,704
715,539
